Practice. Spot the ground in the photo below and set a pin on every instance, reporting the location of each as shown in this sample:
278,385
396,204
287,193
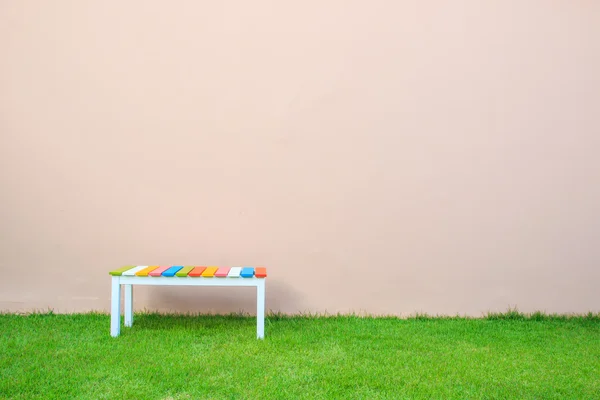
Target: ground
48,356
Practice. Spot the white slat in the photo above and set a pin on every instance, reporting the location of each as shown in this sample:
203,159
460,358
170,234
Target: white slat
234,272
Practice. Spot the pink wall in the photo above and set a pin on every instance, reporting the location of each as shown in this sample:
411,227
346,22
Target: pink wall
378,156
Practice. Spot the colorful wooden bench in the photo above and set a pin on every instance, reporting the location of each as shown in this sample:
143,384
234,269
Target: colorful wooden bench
183,276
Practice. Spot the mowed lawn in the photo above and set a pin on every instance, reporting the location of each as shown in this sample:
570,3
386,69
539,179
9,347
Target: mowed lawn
506,356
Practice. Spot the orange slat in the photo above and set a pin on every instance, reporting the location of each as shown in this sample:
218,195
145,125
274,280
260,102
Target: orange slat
196,272
260,272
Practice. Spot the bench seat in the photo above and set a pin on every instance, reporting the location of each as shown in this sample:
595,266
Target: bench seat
178,275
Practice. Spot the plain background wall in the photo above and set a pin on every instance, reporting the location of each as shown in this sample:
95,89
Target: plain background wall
378,156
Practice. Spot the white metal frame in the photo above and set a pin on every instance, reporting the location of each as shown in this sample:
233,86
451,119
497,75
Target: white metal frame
129,281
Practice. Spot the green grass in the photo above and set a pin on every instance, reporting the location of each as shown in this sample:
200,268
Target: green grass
47,356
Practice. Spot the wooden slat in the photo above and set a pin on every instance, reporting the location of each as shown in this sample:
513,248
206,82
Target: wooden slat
158,271
132,271
222,272
260,272
119,272
184,271
146,270
234,272
172,271
247,272
209,272
196,272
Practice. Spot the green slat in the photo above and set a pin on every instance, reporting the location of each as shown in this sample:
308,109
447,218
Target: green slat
119,272
184,271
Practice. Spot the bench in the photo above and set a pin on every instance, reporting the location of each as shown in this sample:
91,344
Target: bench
129,276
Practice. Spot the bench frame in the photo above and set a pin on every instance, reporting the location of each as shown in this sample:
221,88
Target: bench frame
129,281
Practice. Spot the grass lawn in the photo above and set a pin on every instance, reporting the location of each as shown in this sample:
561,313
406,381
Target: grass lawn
47,356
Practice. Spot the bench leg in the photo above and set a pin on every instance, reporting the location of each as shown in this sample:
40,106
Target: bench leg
115,307
128,304
260,309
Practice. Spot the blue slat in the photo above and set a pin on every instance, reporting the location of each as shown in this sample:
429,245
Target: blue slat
247,272
172,271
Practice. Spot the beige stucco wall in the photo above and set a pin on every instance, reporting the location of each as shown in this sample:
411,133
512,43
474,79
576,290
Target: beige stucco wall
378,156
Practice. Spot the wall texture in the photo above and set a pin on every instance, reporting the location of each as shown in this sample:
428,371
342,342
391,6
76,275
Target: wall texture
378,156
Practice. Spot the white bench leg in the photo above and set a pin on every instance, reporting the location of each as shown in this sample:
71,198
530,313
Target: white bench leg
128,304
115,307
260,309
